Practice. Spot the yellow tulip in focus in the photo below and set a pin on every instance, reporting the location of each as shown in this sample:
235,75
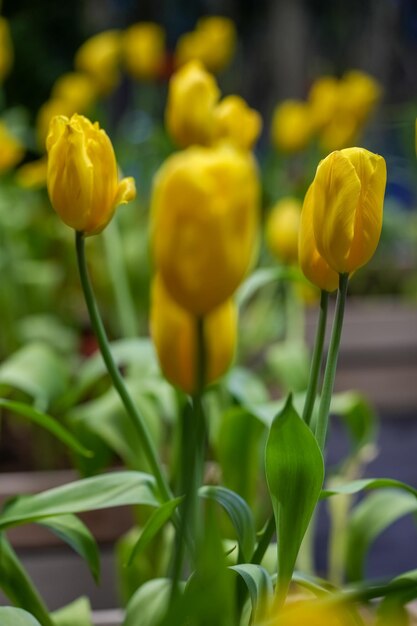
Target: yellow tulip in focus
12,151
347,205
314,267
192,97
143,48
46,113
82,176
174,333
6,49
99,57
292,126
213,42
32,175
236,123
77,89
282,228
204,219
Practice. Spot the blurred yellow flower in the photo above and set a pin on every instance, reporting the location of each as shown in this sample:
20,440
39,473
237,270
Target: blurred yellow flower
192,97
143,47
309,613
32,175
314,267
82,176
213,42
281,231
348,197
99,57
174,333
236,122
292,126
360,93
6,49
46,113
341,131
324,98
12,151
76,88
204,220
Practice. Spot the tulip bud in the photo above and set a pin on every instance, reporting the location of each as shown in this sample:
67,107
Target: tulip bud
236,123
46,113
174,332
348,196
143,49
32,175
314,267
192,96
82,176
12,151
77,89
204,224
99,58
360,93
212,43
292,126
282,228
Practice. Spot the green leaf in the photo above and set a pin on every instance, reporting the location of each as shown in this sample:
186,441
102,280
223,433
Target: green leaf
262,277
239,513
38,371
290,364
367,484
295,473
368,520
155,522
9,616
77,613
17,586
76,534
148,605
88,494
48,423
259,585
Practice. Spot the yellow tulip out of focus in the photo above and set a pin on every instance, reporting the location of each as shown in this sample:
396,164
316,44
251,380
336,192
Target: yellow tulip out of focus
281,231
76,88
6,49
309,613
143,49
314,267
213,42
32,175
12,151
204,222
99,57
292,127
174,333
235,122
192,96
347,200
82,176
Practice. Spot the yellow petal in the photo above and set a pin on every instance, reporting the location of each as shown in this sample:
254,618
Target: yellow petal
126,191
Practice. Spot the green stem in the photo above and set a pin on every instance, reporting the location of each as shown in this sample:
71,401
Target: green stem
330,371
115,375
316,359
264,541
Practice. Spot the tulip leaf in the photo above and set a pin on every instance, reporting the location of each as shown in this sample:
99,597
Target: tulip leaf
76,534
148,605
239,513
368,520
10,616
78,612
99,492
265,276
48,423
259,585
367,484
295,473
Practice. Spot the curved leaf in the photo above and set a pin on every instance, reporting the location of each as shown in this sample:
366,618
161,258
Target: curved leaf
9,616
88,494
367,484
239,513
262,277
78,612
259,585
148,605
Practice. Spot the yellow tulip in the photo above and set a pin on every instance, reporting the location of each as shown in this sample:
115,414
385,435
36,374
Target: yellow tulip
143,49
6,49
348,196
360,93
309,613
99,57
342,131
174,333
46,113
282,228
82,176
12,151
192,97
204,218
292,126
77,89
32,175
236,123
213,42
314,267
324,98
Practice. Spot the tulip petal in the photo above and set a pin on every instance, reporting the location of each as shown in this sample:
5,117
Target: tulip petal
126,191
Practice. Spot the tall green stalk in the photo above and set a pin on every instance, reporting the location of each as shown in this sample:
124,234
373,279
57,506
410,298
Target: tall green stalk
330,371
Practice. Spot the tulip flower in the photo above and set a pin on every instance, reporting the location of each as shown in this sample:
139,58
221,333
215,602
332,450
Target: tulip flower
360,93
204,215
6,49
212,43
314,267
282,228
46,113
292,126
347,205
310,613
192,97
99,57
32,175
77,89
236,122
12,151
143,48
82,176
174,332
